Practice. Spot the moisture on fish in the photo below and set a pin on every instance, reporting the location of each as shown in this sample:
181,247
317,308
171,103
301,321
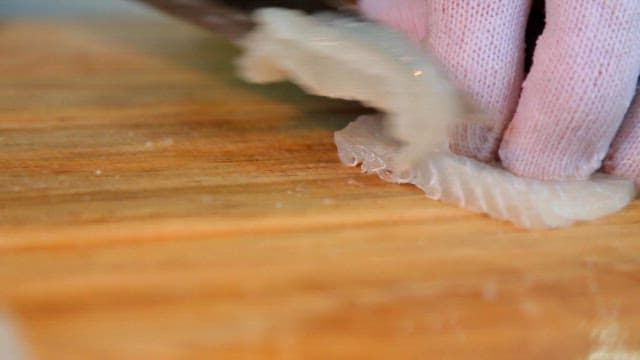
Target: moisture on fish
344,58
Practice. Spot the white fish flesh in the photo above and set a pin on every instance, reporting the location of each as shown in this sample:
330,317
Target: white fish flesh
349,59
340,57
481,187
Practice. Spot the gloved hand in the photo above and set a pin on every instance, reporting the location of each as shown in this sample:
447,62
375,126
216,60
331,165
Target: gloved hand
574,113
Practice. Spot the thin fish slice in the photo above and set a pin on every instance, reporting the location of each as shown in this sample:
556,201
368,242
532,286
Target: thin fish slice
342,57
480,187
349,59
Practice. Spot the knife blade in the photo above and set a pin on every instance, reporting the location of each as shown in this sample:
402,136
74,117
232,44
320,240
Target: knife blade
232,18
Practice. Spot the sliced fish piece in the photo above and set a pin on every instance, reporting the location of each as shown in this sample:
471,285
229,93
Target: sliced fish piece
341,57
344,58
481,187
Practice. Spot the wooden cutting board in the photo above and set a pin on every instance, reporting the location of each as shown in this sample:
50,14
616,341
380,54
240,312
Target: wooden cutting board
153,206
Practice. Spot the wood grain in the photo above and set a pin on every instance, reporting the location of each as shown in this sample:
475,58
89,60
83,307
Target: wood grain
152,206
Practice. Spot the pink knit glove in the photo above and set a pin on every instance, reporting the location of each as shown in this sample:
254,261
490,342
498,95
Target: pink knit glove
565,121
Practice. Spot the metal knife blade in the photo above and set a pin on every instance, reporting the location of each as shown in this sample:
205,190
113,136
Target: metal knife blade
233,18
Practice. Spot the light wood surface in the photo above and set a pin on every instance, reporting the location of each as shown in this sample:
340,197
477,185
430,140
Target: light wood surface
152,206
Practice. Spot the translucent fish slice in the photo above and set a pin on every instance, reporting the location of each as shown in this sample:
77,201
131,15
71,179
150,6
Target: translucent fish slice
342,57
483,188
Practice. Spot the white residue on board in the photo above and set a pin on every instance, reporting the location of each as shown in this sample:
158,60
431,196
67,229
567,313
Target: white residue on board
11,344
610,344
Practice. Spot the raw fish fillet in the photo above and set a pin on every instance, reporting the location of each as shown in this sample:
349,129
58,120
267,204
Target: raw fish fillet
344,58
